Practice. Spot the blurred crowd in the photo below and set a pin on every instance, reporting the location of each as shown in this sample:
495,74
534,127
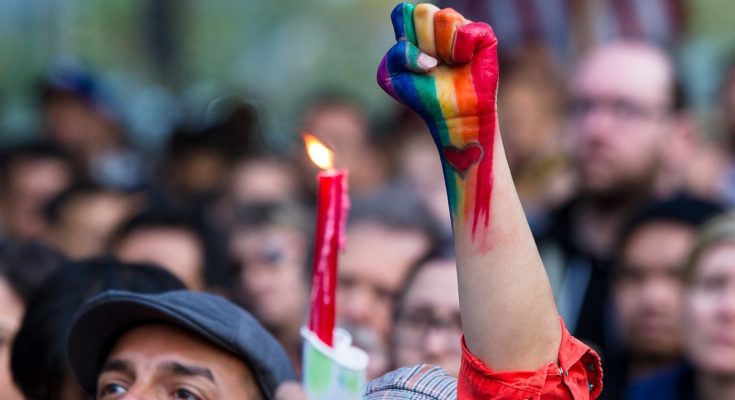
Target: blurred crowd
627,195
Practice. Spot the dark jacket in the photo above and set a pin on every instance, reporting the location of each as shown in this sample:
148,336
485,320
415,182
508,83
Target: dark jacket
673,384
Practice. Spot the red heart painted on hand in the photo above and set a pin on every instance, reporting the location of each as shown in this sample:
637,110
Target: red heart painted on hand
462,159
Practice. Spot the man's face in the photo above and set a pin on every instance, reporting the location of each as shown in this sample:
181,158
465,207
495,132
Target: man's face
262,180
344,128
529,116
647,290
161,362
271,277
619,118
371,271
176,250
199,172
31,184
341,126
87,222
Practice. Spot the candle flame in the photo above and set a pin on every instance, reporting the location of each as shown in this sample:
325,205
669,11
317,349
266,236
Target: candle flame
319,154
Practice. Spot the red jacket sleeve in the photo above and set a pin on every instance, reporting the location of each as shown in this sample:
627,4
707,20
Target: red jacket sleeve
577,375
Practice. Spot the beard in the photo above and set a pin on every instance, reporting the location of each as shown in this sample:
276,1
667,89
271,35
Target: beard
622,189
620,194
651,357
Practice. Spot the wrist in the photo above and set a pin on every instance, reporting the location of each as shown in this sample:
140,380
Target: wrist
464,130
466,148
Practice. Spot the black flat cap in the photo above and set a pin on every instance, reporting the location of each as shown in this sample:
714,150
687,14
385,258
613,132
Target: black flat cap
105,318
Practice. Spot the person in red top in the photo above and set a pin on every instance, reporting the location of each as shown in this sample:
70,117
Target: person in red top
515,345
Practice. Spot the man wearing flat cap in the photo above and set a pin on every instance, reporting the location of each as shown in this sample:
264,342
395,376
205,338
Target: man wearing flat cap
175,345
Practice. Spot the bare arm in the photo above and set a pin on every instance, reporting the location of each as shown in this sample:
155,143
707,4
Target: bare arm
508,312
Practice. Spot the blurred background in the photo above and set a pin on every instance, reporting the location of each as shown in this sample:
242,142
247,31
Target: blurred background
164,61
167,133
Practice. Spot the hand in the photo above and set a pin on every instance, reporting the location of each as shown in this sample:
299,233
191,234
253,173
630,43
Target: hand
442,66
290,390
446,70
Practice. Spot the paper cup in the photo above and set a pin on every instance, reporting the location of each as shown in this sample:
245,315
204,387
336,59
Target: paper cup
333,373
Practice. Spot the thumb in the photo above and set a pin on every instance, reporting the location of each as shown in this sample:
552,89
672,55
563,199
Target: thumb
405,56
402,57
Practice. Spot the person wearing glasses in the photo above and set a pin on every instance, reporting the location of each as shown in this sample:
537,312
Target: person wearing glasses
428,325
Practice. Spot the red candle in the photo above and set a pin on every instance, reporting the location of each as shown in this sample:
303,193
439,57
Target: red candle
332,206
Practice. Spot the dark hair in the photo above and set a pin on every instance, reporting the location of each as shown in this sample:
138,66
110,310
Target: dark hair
682,209
264,214
33,151
720,230
156,218
442,251
173,218
184,142
398,209
39,362
25,265
231,129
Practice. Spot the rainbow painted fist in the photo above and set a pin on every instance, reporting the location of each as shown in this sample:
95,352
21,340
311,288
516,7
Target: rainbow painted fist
446,69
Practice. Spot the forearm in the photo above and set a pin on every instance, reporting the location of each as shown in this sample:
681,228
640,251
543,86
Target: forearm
508,312
446,69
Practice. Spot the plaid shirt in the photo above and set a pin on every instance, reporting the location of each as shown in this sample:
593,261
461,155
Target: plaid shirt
421,382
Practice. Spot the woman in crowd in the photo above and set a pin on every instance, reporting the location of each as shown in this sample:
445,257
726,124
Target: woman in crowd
708,323
428,327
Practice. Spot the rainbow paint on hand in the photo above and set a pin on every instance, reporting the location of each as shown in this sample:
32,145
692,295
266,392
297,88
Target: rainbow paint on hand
446,70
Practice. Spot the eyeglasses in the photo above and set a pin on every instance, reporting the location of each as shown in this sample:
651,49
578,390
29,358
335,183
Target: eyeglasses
420,323
619,108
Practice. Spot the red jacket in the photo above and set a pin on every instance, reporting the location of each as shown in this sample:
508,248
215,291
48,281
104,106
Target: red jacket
577,375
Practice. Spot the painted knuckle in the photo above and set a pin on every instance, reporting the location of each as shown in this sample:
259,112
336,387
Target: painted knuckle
446,22
423,17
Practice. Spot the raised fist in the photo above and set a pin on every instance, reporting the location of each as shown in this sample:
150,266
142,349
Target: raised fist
446,69
442,66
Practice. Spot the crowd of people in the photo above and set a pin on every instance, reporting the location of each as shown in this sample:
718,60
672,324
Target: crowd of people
626,195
